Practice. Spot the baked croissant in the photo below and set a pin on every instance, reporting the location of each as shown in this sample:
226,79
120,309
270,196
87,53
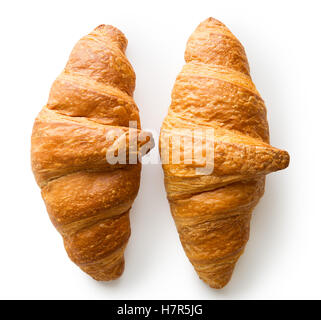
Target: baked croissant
87,198
214,93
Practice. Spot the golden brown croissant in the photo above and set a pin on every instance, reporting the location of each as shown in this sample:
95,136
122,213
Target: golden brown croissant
214,93
87,198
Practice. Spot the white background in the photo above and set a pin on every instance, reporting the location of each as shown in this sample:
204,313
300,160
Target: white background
282,40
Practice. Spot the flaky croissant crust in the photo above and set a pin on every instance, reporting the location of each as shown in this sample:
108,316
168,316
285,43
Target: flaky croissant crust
212,212
88,199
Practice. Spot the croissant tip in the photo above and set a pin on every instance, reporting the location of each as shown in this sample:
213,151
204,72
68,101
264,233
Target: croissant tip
283,160
286,160
100,273
103,27
113,32
219,278
212,21
217,284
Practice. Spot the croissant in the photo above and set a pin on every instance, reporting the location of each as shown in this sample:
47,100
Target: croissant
216,106
87,198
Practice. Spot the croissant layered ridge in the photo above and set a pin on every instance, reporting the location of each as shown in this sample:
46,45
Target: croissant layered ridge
88,115
214,93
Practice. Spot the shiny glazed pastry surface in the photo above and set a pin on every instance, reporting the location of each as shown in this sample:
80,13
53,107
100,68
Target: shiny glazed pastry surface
88,199
212,211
